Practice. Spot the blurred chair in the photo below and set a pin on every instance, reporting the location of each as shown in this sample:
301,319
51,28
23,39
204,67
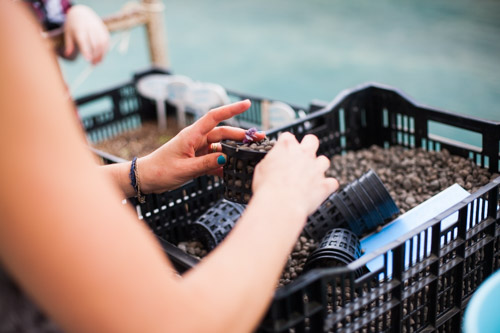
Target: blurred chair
162,88
154,87
203,96
280,114
178,88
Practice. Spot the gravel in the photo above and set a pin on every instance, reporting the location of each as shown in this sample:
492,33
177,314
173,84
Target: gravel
262,146
193,248
140,141
411,176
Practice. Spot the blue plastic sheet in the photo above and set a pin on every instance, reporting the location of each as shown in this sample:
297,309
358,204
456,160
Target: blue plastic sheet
409,221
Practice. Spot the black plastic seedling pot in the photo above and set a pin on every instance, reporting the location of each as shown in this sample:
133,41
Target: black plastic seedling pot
361,206
339,247
215,224
238,172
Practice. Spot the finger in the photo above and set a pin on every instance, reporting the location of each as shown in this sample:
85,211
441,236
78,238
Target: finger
214,148
69,44
105,42
206,163
323,163
100,45
104,38
334,182
330,185
97,53
310,144
93,47
97,56
260,136
226,133
286,139
83,43
231,133
206,123
217,172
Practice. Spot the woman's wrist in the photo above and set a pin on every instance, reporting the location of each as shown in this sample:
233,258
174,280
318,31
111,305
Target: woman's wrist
123,174
154,177
135,181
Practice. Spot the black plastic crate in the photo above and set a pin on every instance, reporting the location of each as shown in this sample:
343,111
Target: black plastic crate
429,294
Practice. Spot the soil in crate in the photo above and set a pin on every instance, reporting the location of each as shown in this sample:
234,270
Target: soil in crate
140,141
411,176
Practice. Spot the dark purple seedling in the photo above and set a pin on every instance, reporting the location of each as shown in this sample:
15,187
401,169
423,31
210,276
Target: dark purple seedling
250,135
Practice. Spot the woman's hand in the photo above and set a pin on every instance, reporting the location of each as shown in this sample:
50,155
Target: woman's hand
292,174
189,153
85,31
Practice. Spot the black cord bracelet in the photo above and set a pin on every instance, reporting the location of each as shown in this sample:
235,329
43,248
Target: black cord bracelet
134,180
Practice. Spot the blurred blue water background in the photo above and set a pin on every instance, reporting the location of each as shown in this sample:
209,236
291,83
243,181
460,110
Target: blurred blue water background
445,54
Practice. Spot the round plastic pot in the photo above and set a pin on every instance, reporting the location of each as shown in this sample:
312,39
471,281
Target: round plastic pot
339,247
376,189
361,206
214,225
238,172
331,214
373,217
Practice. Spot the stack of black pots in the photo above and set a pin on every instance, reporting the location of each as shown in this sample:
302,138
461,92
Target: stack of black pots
361,206
346,215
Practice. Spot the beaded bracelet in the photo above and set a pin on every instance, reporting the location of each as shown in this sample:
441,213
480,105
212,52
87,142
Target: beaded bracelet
134,180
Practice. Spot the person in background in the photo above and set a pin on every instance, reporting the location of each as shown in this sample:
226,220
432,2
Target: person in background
83,258
84,31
